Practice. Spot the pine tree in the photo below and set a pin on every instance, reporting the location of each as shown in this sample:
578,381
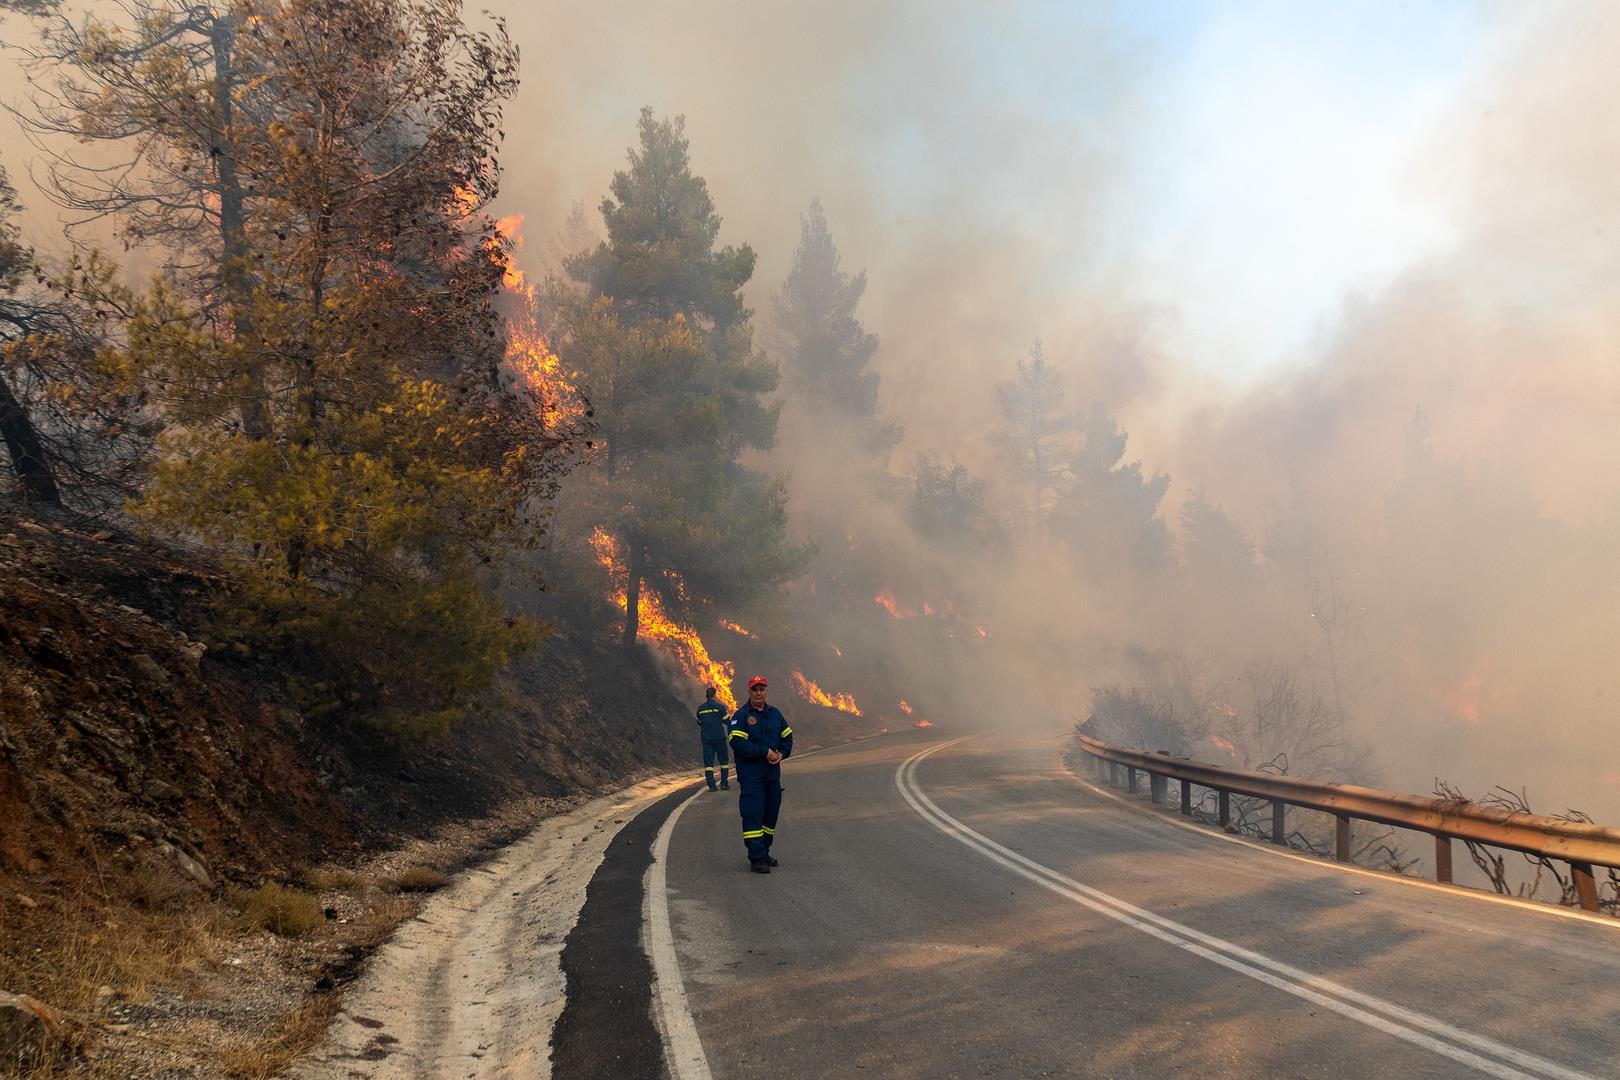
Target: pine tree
1107,511
664,343
1032,405
1218,555
827,350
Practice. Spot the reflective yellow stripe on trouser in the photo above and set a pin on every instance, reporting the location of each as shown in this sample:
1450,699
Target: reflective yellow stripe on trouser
750,834
767,831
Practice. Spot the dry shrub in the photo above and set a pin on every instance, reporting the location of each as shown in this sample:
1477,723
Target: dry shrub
280,910
420,879
335,879
155,887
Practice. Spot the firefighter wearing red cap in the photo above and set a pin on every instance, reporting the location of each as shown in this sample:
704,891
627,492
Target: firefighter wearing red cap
760,739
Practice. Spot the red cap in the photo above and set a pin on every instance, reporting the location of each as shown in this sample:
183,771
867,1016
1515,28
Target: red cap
757,680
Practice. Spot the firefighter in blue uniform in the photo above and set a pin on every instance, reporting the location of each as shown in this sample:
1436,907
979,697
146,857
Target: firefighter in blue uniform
711,718
760,739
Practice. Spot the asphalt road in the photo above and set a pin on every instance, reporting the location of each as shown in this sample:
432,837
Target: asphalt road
977,912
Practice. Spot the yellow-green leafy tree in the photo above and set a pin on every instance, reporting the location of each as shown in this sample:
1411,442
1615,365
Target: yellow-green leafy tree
390,464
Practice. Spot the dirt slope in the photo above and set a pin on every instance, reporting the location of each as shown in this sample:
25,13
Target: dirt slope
145,782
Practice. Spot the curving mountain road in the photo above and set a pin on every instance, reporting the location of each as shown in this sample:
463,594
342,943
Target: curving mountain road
967,908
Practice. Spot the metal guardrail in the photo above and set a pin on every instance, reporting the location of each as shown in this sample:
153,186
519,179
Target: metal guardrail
1581,845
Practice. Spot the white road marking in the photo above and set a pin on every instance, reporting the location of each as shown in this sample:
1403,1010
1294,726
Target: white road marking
685,1050
1413,1027
681,1042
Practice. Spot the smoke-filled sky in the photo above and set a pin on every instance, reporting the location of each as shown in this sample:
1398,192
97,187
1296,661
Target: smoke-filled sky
1204,210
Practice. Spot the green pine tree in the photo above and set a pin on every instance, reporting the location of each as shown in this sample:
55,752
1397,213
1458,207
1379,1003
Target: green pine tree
664,343
827,350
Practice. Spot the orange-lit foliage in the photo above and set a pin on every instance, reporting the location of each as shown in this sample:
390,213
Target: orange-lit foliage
818,696
681,643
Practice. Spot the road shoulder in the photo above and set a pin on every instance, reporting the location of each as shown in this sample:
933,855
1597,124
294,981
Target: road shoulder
474,985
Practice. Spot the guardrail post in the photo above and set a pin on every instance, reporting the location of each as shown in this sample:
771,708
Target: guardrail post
1278,822
1442,858
1341,838
1130,778
1585,885
1186,797
1226,808
1156,786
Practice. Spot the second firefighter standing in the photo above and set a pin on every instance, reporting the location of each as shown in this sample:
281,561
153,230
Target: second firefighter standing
760,740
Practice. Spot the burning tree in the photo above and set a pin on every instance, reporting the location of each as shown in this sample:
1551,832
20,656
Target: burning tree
659,332
394,460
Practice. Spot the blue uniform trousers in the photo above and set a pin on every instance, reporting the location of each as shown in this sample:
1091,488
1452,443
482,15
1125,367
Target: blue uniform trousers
760,801
714,752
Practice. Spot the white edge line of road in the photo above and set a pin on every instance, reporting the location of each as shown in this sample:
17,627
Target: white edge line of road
1397,1021
1536,907
686,1057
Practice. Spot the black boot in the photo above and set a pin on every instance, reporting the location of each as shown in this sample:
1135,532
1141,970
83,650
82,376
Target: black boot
761,867
770,860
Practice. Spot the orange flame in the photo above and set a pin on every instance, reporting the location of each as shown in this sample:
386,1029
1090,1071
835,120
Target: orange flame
904,707
727,624
542,370
815,694
682,643
527,351
1222,744
887,602
511,227
923,723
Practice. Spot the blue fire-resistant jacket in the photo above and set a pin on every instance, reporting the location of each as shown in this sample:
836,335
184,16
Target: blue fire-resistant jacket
752,734
712,719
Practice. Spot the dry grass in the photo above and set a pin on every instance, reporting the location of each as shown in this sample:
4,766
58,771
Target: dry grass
281,910
81,945
268,1054
380,919
335,879
420,879
156,888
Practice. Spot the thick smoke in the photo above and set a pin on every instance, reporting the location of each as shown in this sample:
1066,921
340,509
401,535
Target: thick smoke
1442,452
